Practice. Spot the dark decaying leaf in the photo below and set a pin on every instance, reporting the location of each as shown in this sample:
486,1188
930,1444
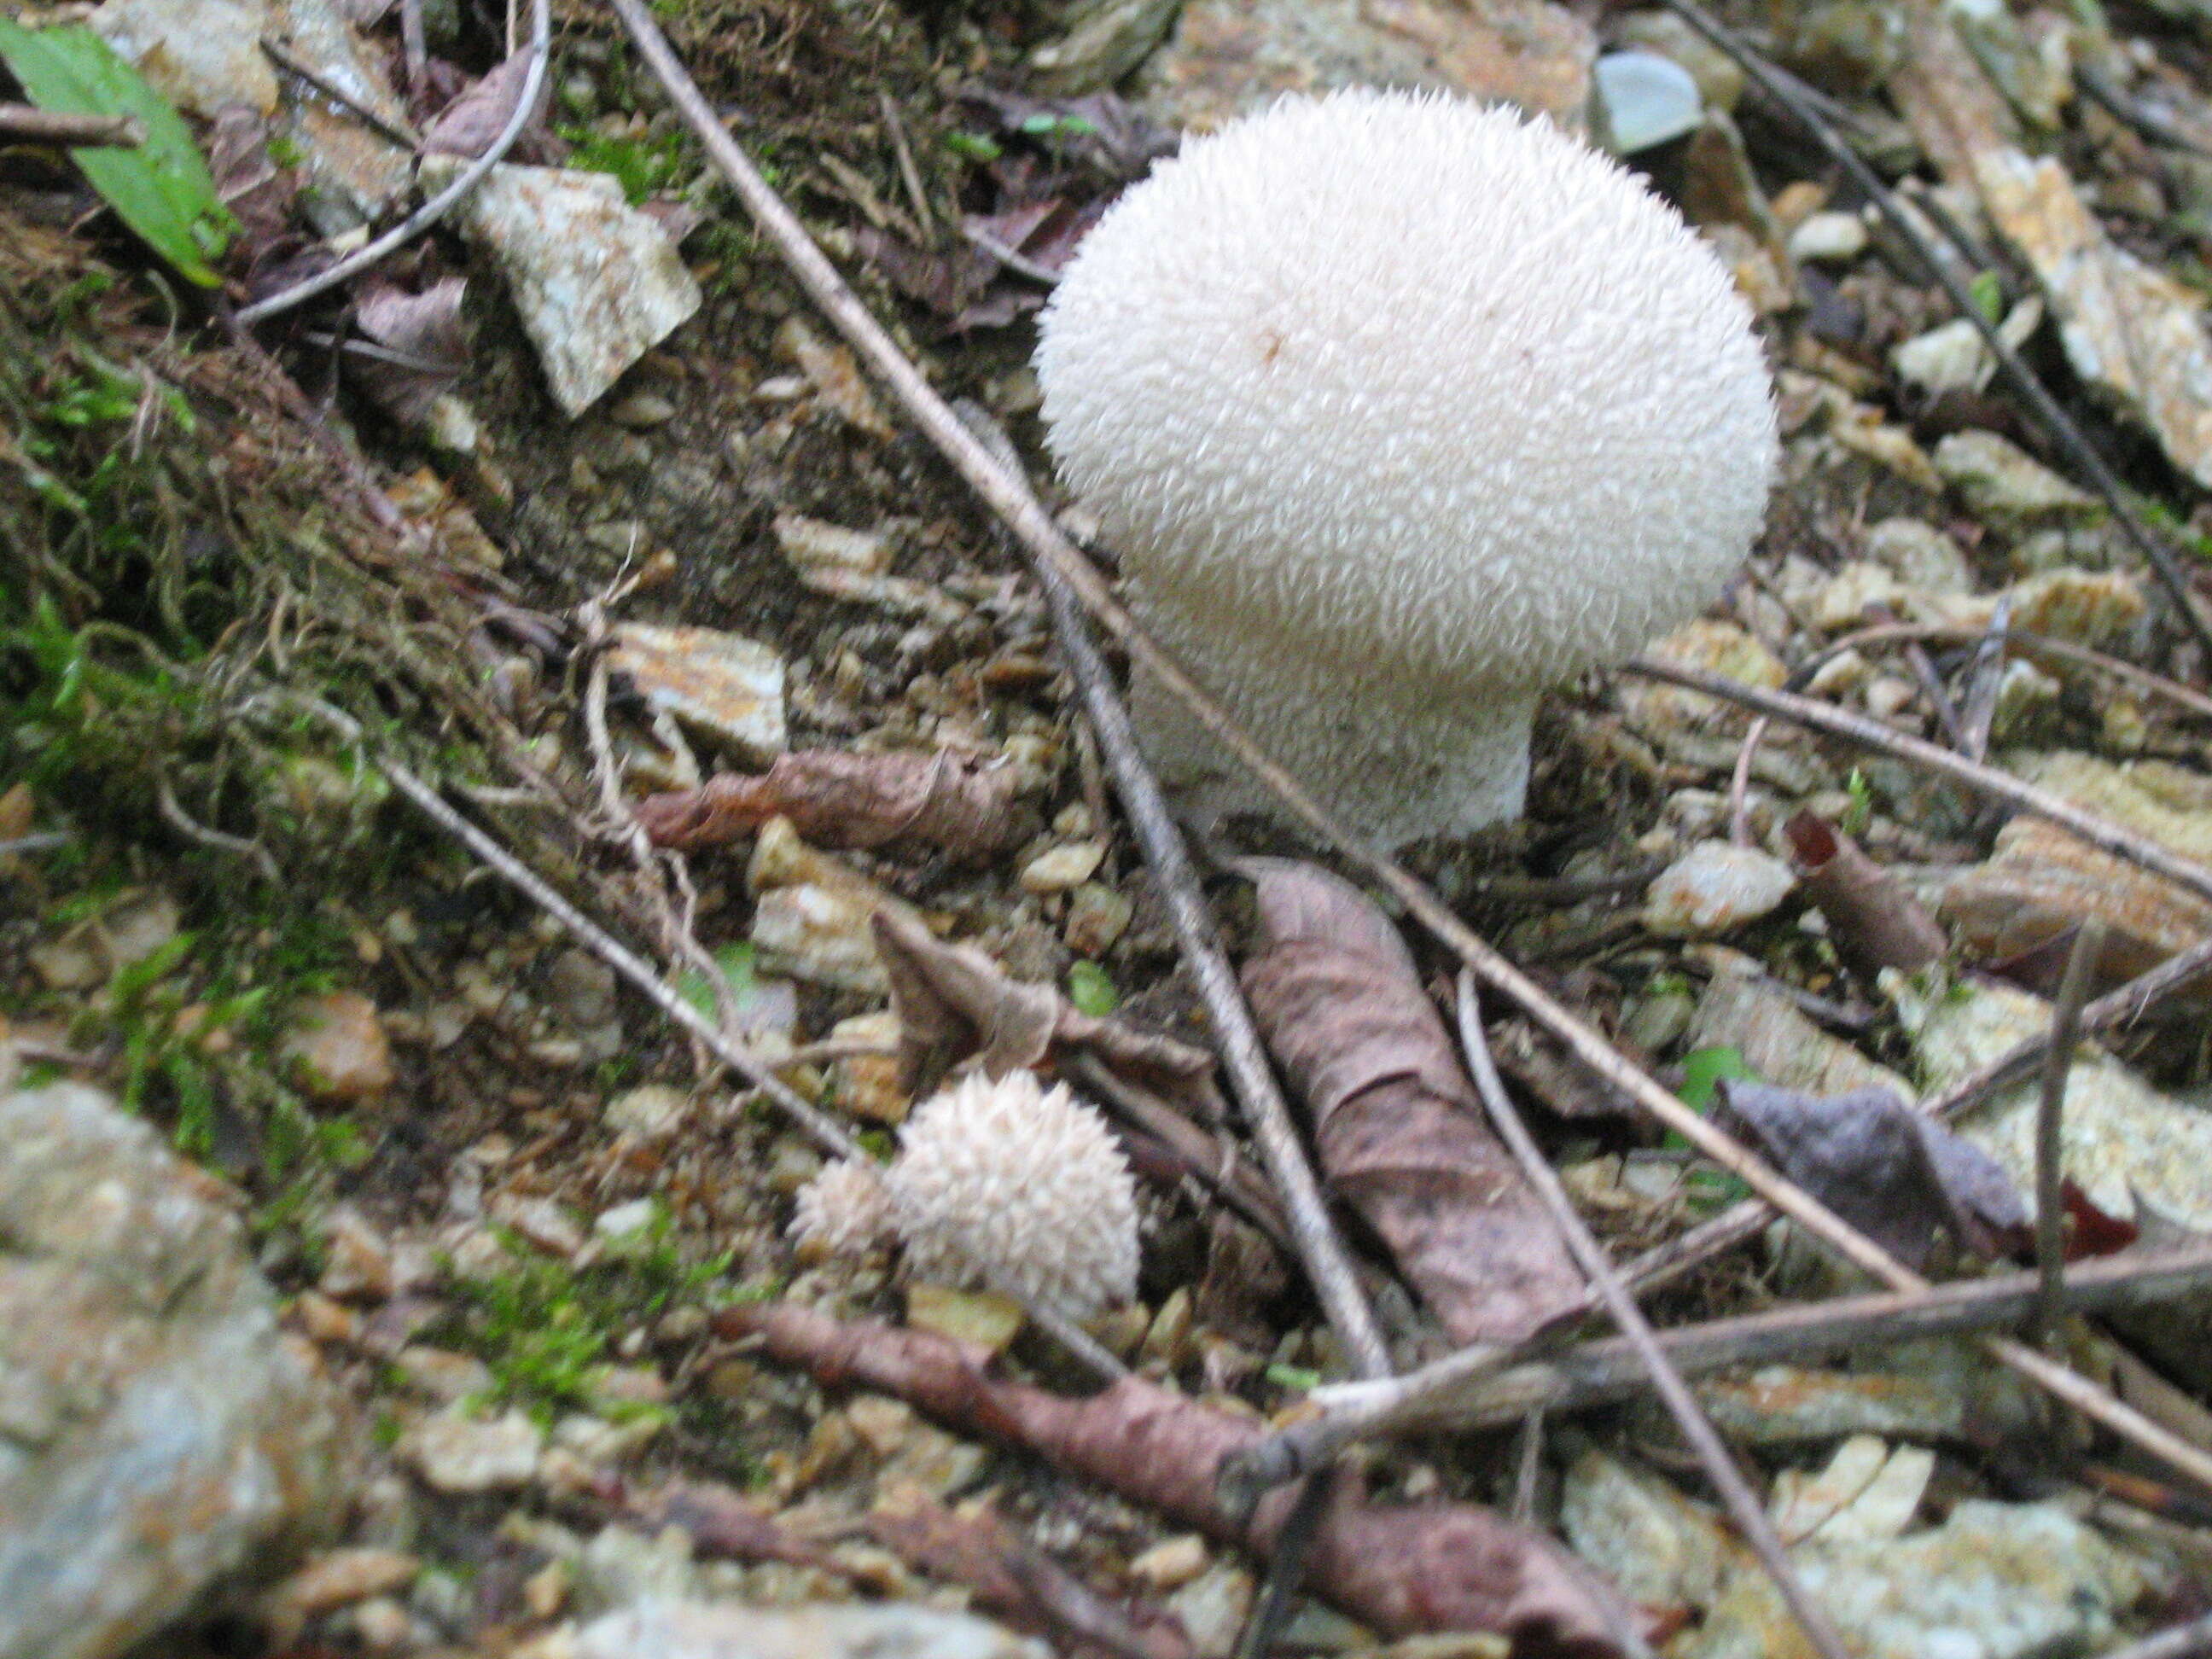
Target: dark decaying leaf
467,126
1100,129
258,193
426,330
1887,1171
953,1002
1399,1569
1873,922
1396,1125
836,799
1020,1585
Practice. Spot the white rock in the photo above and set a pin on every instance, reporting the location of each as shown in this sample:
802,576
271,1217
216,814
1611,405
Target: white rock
597,284
458,1454
730,1630
723,687
1829,239
1640,100
1715,886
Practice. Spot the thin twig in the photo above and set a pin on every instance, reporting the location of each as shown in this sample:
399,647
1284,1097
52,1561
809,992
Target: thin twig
909,175
2101,832
1008,495
1290,1555
1013,258
2050,1127
1244,1056
2076,448
1607,1370
1984,680
1714,1457
191,829
292,64
541,38
2014,642
28,124
414,49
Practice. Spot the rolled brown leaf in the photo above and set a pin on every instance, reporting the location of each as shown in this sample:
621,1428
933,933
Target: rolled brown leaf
1873,922
1399,1569
834,798
1396,1126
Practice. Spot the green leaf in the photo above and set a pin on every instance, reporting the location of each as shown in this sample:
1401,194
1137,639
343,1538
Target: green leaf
1705,1067
162,188
736,961
1091,991
976,146
1295,1378
1987,291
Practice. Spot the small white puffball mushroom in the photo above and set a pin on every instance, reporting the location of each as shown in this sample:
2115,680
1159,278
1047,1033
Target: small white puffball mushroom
1018,1187
1400,410
844,1210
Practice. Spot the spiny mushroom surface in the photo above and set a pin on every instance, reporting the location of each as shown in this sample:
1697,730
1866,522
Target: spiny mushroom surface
1400,410
1018,1187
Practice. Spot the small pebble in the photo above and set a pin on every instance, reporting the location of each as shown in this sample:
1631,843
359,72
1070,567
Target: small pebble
1172,1563
336,1047
1829,238
1059,868
458,1454
1714,887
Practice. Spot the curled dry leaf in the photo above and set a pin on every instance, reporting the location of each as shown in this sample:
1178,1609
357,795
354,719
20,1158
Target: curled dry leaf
835,799
1396,1124
467,126
1890,1172
1400,1570
1873,922
253,186
1021,1585
952,1002
426,329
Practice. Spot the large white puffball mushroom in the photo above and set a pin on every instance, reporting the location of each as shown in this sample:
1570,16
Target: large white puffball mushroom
1400,410
1018,1189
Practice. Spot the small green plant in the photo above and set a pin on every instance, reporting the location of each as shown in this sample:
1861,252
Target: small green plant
974,146
1091,988
1860,813
643,167
545,1329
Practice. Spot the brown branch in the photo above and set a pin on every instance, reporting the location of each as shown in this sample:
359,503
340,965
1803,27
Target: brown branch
28,123
1743,1505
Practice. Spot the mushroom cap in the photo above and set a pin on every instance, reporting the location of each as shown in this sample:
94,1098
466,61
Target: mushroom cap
1417,387
1021,1188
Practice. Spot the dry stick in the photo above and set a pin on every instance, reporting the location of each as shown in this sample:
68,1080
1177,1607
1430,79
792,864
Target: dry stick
534,78
1009,498
1985,680
825,1131
1740,784
2101,832
909,175
1607,1370
414,47
2078,451
1719,1464
292,64
28,124
2049,1124
1244,1056
2013,641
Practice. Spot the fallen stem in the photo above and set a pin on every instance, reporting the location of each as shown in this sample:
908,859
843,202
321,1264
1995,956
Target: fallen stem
2050,1127
1714,1457
28,124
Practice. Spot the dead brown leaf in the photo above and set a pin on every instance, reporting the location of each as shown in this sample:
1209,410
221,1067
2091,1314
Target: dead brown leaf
467,126
1873,922
1396,1124
836,799
1890,1172
952,1002
1022,1586
425,330
257,192
1400,1570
